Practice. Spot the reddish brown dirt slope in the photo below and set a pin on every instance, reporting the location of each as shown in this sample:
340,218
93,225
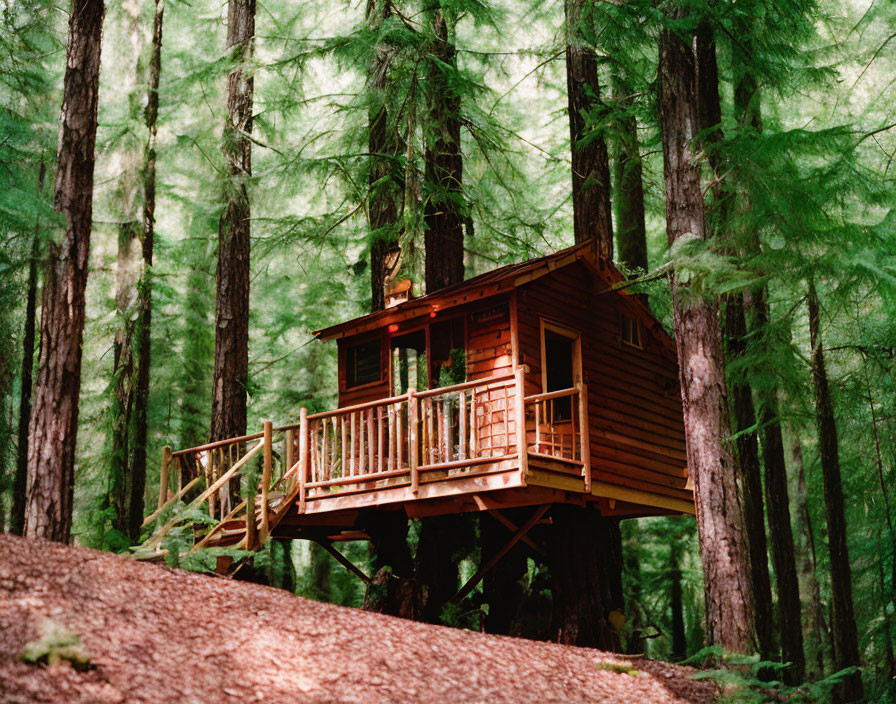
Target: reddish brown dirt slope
160,635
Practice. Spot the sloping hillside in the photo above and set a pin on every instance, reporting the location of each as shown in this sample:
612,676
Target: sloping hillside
157,635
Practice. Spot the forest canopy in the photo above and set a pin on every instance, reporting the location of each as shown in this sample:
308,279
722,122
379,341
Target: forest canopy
263,171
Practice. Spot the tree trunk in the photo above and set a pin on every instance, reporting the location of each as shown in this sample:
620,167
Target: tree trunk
585,558
502,587
748,111
819,636
443,212
676,602
843,622
319,573
384,177
20,481
231,375
751,477
631,230
144,292
442,538
592,216
729,598
778,512
635,644
53,432
128,274
444,541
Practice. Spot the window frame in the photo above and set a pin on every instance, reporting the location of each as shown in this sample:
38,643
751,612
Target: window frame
636,325
565,331
344,363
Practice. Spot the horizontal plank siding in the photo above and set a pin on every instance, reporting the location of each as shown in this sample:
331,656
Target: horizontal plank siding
635,419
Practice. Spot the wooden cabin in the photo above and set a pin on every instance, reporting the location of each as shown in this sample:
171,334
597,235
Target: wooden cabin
532,384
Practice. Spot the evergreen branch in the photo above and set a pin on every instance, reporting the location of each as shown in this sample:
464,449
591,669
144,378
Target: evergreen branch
552,57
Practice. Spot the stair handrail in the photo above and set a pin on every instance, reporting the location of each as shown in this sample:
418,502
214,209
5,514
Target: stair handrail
221,481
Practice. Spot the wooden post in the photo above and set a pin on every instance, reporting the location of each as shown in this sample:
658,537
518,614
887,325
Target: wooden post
412,440
163,479
266,477
303,455
523,451
583,435
289,450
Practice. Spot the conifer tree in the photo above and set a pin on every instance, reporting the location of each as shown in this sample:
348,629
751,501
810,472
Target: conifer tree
744,413
592,215
20,481
231,371
384,189
444,208
843,619
728,592
53,428
631,227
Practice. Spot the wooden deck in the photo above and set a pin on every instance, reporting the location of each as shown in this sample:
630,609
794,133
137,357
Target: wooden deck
481,445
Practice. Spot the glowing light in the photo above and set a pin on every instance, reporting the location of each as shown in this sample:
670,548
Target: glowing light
393,327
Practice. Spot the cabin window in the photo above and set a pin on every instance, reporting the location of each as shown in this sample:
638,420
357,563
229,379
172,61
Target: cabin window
631,332
447,358
362,364
560,368
409,366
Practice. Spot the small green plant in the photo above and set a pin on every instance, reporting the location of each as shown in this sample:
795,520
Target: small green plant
619,668
740,682
55,646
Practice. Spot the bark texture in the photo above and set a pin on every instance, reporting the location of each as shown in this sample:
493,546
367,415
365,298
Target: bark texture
385,180
443,212
744,416
751,478
231,374
128,276
20,480
631,230
777,500
53,431
585,559
144,292
729,598
818,634
843,620
592,215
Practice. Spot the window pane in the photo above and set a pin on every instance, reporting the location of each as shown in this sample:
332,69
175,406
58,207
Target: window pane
362,362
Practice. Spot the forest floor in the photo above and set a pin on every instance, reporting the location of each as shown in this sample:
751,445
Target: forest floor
152,634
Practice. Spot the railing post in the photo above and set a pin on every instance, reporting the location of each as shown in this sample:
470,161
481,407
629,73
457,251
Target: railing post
522,451
412,441
303,456
266,477
289,450
583,435
163,478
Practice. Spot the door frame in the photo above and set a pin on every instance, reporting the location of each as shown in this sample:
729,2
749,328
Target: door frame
571,333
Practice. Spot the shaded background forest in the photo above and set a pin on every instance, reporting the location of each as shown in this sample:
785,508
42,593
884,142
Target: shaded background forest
819,177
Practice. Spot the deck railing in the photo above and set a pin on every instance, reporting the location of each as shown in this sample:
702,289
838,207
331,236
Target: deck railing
409,435
402,440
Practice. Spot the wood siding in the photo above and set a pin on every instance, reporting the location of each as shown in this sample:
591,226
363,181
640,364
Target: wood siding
635,417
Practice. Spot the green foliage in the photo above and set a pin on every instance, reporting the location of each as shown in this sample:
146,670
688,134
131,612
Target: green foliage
57,645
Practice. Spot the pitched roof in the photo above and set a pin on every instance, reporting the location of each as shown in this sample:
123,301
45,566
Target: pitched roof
497,281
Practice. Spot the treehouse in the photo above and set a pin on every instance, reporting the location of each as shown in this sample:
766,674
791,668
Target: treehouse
534,384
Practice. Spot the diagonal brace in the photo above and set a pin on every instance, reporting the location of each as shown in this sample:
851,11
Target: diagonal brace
512,527
514,539
342,559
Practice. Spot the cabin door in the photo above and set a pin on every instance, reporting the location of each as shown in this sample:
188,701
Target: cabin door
561,369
